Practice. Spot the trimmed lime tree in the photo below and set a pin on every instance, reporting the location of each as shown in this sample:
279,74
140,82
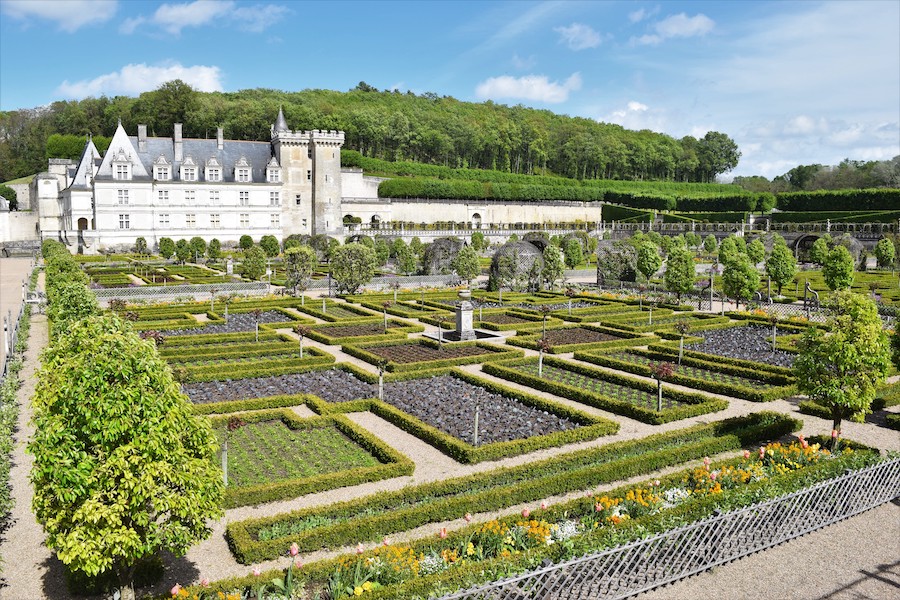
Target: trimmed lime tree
885,253
740,279
649,261
553,266
466,264
841,366
254,264
122,469
300,263
838,269
352,266
680,271
781,266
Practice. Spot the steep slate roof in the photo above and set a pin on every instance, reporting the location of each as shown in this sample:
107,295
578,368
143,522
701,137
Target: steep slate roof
257,154
280,122
121,144
85,168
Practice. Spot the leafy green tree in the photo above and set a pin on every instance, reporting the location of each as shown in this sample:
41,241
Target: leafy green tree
166,247
781,265
382,251
680,271
198,247
478,241
69,302
756,251
740,279
416,246
183,250
292,241
352,266
300,263
270,245
11,196
254,264
841,366
838,269
574,254
554,267
818,252
648,261
214,250
122,470
466,264
730,248
245,242
407,260
140,245
710,244
884,253
718,154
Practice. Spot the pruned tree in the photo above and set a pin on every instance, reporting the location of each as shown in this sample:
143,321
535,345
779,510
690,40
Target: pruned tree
352,266
838,269
300,263
553,269
740,279
466,264
841,366
254,264
680,271
122,470
648,260
885,253
781,265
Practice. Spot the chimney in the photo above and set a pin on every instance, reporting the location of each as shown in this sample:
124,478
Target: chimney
142,138
220,138
179,149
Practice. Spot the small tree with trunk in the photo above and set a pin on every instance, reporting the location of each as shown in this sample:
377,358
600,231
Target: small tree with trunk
544,346
661,372
257,313
683,328
302,331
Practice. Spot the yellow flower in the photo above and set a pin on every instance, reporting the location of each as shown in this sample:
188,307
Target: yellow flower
358,591
367,586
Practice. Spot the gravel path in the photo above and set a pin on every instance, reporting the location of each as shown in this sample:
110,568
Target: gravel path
854,559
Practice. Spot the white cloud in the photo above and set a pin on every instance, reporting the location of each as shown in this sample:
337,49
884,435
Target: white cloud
69,15
257,18
175,17
637,115
578,36
132,80
639,15
129,25
677,26
536,88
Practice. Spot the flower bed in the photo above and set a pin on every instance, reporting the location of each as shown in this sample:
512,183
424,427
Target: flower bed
421,354
334,311
274,455
363,331
643,324
368,519
569,339
746,343
756,385
513,544
253,367
608,391
237,322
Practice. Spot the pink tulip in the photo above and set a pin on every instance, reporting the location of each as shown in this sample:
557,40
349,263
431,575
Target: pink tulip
298,563
713,475
204,582
526,513
657,483
468,518
598,507
443,533
175,589
294,549
762,452
544,505
385,541
359,548
834,433
256,572
746,454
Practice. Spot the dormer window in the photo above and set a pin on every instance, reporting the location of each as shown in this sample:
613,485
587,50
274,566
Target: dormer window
189,170
273,175
242,171
162,170
121,167
213,170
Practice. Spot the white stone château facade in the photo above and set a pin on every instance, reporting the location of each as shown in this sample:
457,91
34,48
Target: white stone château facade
154,187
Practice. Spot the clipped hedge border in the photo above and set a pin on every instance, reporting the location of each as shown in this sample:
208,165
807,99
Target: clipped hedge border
525,338
191,353
393,464
408,311
694,404
504,487
697,321
309,309
234,370
396,330
783,386
493,353
715,359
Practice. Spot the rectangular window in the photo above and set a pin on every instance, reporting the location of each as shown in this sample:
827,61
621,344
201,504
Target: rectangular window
189,197
308,175
326,177
213,175
298,198
123,197
243,175
124,222
189,173
163,219
244,198
304,222
214,221
274,198
275,220
308,152
163,196
245,220
190,220
274,176
122,171
162,173
214,197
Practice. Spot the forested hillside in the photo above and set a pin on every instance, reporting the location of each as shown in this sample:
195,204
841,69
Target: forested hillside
384,125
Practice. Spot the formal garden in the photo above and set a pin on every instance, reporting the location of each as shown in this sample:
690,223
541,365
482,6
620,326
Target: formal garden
342,446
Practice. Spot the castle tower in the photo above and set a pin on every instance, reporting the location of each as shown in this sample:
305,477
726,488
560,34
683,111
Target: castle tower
311,166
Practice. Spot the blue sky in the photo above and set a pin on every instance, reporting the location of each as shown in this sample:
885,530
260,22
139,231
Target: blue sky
791,82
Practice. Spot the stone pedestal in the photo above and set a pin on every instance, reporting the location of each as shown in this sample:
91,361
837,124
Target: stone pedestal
464,327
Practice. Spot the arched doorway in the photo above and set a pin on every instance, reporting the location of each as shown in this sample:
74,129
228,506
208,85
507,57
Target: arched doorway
82,224
476,220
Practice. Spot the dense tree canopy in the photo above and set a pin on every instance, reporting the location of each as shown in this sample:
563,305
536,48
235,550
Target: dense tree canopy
387,125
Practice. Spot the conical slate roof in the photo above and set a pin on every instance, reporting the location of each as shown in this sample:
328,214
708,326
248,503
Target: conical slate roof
281,122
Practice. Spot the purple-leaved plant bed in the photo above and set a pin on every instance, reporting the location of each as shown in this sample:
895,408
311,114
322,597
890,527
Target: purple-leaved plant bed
237,322
448,404
751,342
332,385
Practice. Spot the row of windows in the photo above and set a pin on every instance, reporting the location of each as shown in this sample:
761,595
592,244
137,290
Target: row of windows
241,175
190,220
190,198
